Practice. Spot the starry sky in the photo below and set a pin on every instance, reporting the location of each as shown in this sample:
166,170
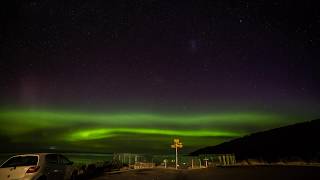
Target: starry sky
129,76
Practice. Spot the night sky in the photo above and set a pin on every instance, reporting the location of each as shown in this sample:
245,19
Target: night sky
129,76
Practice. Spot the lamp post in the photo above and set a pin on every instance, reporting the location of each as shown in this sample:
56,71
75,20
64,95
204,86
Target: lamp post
176,144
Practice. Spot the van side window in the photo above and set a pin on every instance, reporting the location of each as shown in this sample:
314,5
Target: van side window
64,160
52,158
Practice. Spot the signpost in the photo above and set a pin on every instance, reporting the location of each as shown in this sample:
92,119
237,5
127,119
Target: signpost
176,144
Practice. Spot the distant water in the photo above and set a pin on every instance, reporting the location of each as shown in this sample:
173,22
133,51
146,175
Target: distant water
85,158
78,158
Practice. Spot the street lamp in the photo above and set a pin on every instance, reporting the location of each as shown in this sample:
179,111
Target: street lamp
176,144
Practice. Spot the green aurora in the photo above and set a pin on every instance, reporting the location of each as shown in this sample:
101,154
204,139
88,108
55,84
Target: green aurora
116,131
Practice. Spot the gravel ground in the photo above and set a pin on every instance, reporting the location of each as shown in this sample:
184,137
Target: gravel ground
238,173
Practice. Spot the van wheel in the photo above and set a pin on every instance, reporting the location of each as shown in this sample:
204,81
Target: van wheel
73,176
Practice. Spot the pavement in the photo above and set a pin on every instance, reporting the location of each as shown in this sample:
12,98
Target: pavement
233,173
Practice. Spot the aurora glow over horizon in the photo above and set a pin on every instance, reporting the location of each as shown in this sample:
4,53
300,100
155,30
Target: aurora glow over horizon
129,76
83,128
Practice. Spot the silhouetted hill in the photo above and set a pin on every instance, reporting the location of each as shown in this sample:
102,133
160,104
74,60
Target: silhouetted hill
294,142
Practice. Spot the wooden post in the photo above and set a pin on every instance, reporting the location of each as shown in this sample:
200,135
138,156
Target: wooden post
191,163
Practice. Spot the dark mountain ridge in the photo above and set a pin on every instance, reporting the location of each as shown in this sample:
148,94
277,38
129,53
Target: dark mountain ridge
290,143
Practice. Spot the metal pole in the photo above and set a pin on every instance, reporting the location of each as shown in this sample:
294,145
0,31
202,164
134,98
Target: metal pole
129,160
176,157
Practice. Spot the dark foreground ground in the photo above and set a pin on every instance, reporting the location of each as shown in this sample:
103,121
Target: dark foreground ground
234,173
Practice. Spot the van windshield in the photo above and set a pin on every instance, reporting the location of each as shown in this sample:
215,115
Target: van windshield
21,161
